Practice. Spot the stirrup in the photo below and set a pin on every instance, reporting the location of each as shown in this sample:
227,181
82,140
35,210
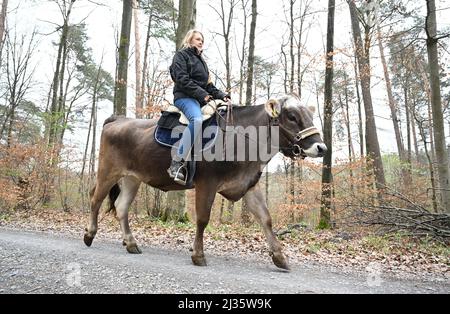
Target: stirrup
178,171
179,181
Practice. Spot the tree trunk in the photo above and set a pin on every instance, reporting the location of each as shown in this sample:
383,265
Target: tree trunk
286,68
226,27
392,105
413,130
245,216
291,45
292,181
405,162
2,26
53,125
54,115
438,120
372,144
137,56
187,14
61,111
430,162
327,176
299,48
226,214
175,208
156,211
351,149
12,116
144,67
406,172
358,100
82,190
251,55
291,88
176,200
242,61
424,76
120,99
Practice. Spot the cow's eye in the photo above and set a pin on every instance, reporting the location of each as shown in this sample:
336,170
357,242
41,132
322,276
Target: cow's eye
291,117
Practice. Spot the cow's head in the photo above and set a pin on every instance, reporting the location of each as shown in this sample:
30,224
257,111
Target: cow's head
298,135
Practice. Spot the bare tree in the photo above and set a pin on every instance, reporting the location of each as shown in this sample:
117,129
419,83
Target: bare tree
187,15
137,56
358,100
242,54
327,176
58,79
292,56
305,6
120,97
438,120
161,18
19,74
362,52
251,54
2,25
146,48
245,216
226,28
421,122
406,175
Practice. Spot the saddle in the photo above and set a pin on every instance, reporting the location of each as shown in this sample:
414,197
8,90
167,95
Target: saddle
208,110
173,118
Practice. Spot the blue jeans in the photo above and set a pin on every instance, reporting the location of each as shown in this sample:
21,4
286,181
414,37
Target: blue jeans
191,109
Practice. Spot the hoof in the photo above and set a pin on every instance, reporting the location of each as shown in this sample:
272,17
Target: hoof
199,260
280,261
133,249
88,239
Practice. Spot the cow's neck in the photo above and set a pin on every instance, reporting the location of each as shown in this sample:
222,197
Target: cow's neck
250,115
255,116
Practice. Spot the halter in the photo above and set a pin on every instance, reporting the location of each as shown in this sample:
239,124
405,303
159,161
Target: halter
295,138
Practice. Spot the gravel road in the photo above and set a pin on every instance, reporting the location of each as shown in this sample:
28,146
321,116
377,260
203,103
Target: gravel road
32,262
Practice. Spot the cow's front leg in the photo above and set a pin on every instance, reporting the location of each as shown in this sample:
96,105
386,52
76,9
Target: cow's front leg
257,205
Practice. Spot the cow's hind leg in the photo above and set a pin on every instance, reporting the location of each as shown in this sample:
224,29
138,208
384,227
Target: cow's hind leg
204,198
97,195
128,189
257,205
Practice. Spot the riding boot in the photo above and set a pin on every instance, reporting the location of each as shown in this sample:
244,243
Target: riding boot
177,171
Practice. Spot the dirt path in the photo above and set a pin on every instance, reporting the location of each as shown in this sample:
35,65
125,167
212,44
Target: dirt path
34,262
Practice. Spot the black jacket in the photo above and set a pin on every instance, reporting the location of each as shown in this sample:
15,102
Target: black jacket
191,76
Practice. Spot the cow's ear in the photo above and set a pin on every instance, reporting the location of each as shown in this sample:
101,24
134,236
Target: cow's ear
312,109
273,108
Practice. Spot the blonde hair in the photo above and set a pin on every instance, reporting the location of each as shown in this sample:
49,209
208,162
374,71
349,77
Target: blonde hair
189,36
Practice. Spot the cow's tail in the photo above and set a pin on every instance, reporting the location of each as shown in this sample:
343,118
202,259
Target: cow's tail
112,119
115,190
113,195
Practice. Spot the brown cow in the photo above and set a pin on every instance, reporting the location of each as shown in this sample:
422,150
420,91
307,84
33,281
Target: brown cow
130,155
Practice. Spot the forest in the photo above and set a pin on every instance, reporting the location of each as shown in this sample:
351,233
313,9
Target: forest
377,71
